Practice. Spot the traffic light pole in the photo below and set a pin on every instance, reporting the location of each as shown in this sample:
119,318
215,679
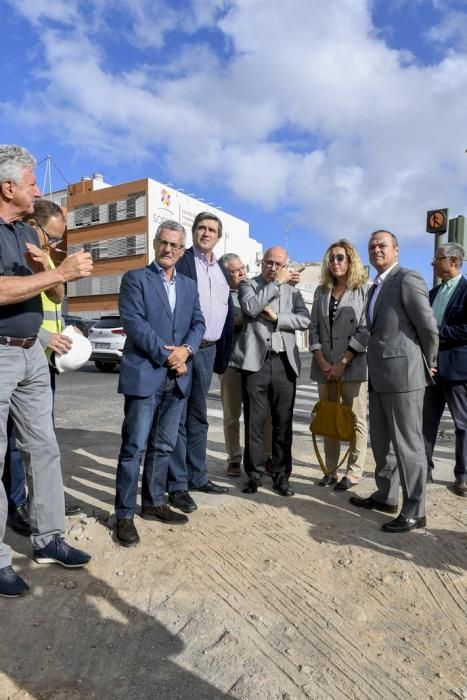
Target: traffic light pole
438,242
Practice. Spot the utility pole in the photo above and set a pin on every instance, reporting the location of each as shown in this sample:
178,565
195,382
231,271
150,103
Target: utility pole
47,176
287,233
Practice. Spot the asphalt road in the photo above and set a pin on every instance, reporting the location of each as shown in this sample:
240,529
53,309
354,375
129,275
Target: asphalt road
89,399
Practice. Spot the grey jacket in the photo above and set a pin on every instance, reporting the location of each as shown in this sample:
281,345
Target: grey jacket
255,338
348,330
403,341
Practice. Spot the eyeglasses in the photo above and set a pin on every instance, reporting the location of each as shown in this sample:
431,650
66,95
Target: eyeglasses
444,257
168,244
273,263
339,257
50,240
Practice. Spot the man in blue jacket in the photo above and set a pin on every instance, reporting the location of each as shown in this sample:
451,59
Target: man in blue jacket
162,318
449,304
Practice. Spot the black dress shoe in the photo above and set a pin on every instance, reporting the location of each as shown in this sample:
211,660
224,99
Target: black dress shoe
72,508
344,484
252,485
164,514
212,488
282,487
460,487
370,504
402,524
18,520
127,534
183,501
328,480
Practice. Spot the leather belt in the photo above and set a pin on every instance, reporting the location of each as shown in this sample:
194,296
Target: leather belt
206,344
18,342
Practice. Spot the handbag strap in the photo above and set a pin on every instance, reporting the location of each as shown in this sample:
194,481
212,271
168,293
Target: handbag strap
320,459
338,394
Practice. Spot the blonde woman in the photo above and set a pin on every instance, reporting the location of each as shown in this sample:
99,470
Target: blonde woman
338,340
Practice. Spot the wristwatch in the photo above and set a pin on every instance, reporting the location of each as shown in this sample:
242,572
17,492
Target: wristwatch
344,361
189,349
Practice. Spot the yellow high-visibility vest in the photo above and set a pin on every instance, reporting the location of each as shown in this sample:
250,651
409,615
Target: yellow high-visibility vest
52,320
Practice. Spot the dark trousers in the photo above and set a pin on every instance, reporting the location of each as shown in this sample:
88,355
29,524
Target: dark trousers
150,421
193,431
275,384
14,476
454,394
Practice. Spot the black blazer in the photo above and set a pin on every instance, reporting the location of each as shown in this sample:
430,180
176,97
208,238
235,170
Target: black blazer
187,266
452,354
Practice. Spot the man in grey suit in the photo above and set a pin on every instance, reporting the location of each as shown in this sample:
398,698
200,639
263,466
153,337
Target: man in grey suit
267,353
401,354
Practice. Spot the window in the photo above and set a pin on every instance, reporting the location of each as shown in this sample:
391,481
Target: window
108,248
130,207
113,211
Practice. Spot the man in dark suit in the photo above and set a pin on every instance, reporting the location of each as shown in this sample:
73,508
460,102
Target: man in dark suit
449,304
266,352
401,353
200,264
164,325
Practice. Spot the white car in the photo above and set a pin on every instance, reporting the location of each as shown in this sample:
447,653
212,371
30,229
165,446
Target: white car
107,339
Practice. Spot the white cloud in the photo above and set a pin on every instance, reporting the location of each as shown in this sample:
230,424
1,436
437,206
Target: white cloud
379,138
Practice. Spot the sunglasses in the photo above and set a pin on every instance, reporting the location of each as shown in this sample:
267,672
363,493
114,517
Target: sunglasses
50,240
340,257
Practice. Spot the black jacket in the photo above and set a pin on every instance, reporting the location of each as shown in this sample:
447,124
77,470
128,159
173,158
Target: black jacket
452,354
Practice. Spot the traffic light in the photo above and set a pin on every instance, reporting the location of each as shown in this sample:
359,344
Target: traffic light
457,231
437,221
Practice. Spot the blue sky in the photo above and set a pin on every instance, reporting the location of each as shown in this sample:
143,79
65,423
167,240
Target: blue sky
336,118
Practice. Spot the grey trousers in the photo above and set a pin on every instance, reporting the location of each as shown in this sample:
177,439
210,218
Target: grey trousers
25,392
396,417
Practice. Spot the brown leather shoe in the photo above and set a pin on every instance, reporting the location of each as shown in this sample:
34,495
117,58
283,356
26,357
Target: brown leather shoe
233,469
460,487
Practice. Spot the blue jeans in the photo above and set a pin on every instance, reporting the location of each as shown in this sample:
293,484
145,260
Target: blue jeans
193,431
151,421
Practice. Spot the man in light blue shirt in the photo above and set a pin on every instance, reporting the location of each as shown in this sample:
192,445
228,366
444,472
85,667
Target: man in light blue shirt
164,325
449,304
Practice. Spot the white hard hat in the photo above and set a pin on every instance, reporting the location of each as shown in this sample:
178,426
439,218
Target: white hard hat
76,357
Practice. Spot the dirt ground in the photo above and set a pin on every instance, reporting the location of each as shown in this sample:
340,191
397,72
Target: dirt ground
258,597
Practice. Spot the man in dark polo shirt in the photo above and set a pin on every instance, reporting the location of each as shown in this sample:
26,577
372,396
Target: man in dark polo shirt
24,376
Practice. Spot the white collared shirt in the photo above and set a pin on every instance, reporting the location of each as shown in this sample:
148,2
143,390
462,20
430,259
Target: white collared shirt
378,282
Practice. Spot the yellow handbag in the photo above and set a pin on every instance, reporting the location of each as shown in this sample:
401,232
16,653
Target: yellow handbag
332,419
